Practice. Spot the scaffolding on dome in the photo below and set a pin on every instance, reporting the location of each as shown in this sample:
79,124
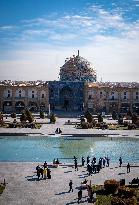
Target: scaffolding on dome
77,68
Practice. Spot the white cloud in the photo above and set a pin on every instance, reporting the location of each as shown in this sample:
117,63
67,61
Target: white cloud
115,55
115,59
7,27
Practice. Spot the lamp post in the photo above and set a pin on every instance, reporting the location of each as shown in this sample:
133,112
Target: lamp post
49,109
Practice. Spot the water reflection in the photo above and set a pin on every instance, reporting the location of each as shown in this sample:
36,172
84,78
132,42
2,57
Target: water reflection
48,148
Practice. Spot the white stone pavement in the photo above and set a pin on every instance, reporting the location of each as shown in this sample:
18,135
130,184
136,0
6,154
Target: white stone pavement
48,128
22,188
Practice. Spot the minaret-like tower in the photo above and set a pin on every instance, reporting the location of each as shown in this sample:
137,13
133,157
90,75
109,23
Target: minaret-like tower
78,52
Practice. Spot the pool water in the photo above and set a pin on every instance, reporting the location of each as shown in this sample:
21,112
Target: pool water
39,149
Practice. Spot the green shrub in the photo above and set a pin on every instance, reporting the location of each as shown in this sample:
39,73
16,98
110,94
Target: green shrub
126,192
42,115
29,116
89,116
111,186
52,118
84,125
13,115
23,117
123,201
2,187
100,118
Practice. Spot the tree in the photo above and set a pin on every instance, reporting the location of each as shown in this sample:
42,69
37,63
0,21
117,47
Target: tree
134,118
23,117
29,116
89,116
100,118
1,119
52,118
120,119
114,115
42,114
13,115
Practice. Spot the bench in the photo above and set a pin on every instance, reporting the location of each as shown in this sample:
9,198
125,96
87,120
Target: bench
134,182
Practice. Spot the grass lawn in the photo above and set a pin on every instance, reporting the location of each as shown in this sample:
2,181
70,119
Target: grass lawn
2,187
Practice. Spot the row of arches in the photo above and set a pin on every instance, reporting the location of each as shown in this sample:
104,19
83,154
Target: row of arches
20,106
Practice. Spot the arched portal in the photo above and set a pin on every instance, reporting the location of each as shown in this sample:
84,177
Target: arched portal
136,108
7,106
125,107
42,106
33,106
66,98
19,106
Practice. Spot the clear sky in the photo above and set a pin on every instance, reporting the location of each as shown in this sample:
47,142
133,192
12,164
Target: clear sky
36,36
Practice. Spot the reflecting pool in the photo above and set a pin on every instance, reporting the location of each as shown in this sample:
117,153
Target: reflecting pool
29,149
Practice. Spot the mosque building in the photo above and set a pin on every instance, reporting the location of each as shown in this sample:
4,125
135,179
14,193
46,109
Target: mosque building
68,93
76,90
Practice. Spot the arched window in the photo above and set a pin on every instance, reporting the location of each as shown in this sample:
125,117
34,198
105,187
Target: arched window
9,94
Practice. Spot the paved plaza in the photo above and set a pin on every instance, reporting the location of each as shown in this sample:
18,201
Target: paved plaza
23,188
68,129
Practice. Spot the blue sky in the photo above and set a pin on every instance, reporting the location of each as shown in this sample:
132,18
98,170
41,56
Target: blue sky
37,35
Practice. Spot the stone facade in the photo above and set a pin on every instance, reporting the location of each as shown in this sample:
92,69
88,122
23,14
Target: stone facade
15,98
106,97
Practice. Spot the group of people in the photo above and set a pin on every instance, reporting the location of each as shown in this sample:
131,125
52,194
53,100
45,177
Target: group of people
94,167
56,161
89,189
43,171
58,131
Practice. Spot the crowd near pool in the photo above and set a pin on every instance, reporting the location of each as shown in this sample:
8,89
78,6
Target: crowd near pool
46,148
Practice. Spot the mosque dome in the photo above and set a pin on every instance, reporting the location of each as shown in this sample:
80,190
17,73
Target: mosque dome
77,68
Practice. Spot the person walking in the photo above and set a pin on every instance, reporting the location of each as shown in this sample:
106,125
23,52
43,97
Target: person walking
76,164
38,171
128,168
79,195
70,186
83,161
120,162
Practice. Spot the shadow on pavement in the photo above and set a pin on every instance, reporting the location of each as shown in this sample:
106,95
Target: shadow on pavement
64,192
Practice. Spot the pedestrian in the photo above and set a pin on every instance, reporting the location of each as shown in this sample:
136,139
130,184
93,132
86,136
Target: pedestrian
88,159
56,131
70,186
83,161
45,173
41,172
79,195
60,131
48,173
57,161
38,171
91,195
108,161
45,164
75,164
104,161
128,168
120,162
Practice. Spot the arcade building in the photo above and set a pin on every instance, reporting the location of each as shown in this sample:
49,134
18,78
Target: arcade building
76,90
